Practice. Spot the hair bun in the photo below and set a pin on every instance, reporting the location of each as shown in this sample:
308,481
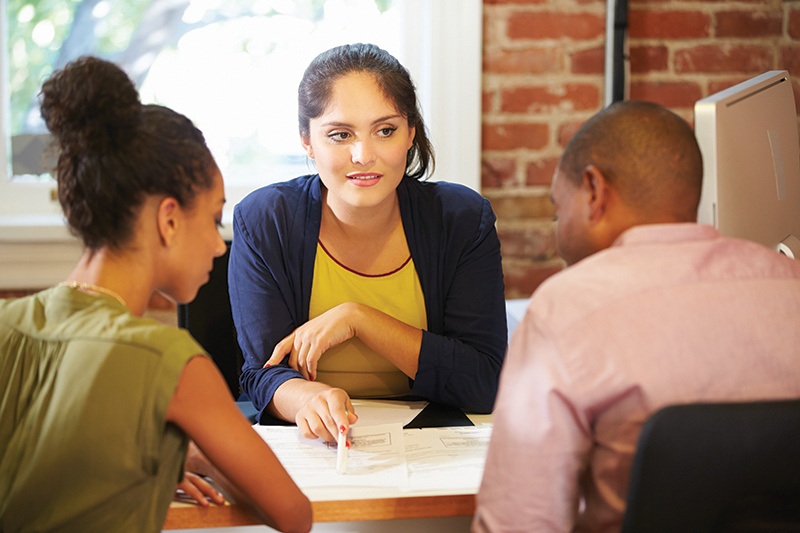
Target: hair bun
90,104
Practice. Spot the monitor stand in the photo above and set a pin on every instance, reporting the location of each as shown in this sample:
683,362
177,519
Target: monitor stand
790,247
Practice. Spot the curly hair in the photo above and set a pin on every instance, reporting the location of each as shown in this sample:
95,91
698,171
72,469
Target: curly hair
114,152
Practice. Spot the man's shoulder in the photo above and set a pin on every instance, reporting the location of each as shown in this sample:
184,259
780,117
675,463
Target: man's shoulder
621,272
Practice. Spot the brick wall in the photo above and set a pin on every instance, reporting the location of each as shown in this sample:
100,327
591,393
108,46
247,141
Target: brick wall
543,75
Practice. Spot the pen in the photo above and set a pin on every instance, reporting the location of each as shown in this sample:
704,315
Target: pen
341,451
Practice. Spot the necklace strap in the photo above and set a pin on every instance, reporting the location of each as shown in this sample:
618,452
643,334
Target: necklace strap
83,286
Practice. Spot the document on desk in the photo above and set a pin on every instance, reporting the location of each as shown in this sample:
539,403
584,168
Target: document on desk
378,412
446,458
376,457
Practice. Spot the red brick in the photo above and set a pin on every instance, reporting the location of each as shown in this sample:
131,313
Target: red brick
748,24
668,94
512,136
645,2
794,23
529,2
541,172
572,96
566,131
486,101
724,58
495,173
522,206
657,24
648,59
521,281
534,242
554,25
528,61
790,59
591,61
720,85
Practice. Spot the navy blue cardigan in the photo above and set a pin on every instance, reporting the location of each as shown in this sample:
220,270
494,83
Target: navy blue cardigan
454,245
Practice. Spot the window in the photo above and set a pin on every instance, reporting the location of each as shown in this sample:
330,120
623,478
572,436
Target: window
233,67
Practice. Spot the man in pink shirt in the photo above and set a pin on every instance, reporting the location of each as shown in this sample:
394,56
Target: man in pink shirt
652,310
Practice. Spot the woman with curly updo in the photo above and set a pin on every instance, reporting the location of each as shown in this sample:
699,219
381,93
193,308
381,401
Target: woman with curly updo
98,404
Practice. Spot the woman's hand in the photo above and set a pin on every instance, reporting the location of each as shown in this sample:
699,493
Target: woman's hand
325,414
200,490
306,344
195,486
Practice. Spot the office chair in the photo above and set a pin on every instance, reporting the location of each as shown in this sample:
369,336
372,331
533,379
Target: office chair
208,318
731,467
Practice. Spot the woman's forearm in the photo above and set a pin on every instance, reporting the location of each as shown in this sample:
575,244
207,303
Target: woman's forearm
393,339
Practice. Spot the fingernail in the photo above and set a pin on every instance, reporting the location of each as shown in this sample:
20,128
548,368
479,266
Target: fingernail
347,444
265,366
342,429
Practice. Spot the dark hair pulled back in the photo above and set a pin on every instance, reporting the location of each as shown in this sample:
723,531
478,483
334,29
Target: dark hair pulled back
316,90
114,152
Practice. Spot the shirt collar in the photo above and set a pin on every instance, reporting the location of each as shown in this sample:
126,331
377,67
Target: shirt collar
666,233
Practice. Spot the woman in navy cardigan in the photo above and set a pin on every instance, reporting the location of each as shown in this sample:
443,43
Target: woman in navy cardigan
369,213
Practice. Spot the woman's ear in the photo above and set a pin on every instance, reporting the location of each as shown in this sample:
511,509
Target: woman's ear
168,220
305,140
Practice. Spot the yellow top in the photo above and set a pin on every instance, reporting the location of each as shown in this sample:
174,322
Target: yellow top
351,365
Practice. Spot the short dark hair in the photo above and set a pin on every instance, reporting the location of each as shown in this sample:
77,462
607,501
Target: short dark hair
316,89
113,151
646,152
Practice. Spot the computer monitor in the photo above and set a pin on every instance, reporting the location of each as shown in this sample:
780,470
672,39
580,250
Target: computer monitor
751,162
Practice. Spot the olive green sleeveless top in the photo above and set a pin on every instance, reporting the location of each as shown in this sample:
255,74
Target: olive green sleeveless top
84,391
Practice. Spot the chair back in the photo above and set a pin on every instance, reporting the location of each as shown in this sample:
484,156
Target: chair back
209,319
731,467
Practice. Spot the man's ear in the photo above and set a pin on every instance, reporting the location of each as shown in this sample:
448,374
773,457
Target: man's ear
167,215
598,193
305,141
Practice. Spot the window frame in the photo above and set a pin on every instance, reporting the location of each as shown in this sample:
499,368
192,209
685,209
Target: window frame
37,250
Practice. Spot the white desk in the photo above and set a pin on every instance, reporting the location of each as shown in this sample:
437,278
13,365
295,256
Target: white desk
351,509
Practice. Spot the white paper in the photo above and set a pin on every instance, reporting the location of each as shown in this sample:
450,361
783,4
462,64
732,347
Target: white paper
377,412
446,458
376,457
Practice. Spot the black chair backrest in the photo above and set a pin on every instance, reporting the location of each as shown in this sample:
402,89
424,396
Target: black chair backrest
208,318
732,467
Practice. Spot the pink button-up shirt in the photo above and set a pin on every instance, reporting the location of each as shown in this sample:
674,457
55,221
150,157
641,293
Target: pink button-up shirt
669,314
